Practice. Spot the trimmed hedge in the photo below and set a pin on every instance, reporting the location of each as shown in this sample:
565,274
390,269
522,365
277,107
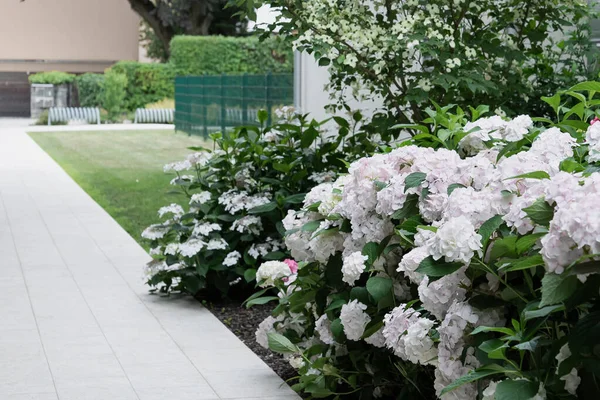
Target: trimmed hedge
146,83
51,77
212,55
89,87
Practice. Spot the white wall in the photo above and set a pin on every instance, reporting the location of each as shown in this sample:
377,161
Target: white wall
309,91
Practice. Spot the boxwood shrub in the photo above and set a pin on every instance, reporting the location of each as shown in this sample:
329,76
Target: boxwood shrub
211,55
146,83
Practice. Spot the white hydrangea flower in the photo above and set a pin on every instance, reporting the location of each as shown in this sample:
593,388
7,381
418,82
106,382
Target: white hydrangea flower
572,381
489,392
563,354
172,248
354,319
592,138
517,128
248,224
323,328
177,166
411,261
455,240
418,346
217,244
438,296
396,323
205,228
377,339
558,250
476,206
174,209
272,271
296,362
264,328
353,266
552,146
232,259
156,231
200,198
191,247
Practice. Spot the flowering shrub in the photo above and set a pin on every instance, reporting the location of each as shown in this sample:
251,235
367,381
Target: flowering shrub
502,53
236,197
425,274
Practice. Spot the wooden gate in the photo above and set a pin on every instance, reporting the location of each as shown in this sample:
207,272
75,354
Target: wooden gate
15,95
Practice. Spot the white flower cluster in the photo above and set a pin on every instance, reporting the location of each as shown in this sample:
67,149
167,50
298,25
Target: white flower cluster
482,186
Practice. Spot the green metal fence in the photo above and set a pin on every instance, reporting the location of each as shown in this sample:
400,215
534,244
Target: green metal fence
205,104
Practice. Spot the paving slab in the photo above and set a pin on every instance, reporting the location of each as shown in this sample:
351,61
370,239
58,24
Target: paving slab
78,323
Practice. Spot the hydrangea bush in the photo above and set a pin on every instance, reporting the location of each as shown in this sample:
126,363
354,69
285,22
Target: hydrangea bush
502,53
466,271
236,196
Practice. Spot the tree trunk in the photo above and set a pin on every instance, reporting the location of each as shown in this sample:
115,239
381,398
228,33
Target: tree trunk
147,10
201,17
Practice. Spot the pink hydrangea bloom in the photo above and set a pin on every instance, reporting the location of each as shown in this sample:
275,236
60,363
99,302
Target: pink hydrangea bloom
292,264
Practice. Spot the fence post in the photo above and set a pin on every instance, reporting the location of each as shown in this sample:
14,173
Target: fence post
268,84
203,106
223,103
244,102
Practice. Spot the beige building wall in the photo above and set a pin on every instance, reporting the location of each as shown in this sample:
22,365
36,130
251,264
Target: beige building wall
66,35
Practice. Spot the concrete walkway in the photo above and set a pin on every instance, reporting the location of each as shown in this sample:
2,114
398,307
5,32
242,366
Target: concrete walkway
76,320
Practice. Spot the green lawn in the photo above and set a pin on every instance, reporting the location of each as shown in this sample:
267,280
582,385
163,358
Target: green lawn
121,170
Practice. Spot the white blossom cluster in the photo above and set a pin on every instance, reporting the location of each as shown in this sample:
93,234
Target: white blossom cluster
482,186
374,43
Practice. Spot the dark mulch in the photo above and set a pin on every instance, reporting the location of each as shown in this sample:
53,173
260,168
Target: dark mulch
243,322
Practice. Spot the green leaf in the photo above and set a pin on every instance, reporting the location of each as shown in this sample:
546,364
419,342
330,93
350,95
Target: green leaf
479,329
308,137
311,226
586,86
521,389
526,242
409,208
585,334
371,250
421,128
250,274
530,345
261,300
488,228
453,187
263,209
439,268
337,329
473,376
256,295
532,175
557,288
318,392
542,312
360,293
379,287
335,305
553,101
414,180
540,212
295,198
524,263
494,348
263,116
285,168
274,255
505,247
590,267
280,344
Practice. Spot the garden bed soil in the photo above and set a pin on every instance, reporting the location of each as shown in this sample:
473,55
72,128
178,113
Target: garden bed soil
243,322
